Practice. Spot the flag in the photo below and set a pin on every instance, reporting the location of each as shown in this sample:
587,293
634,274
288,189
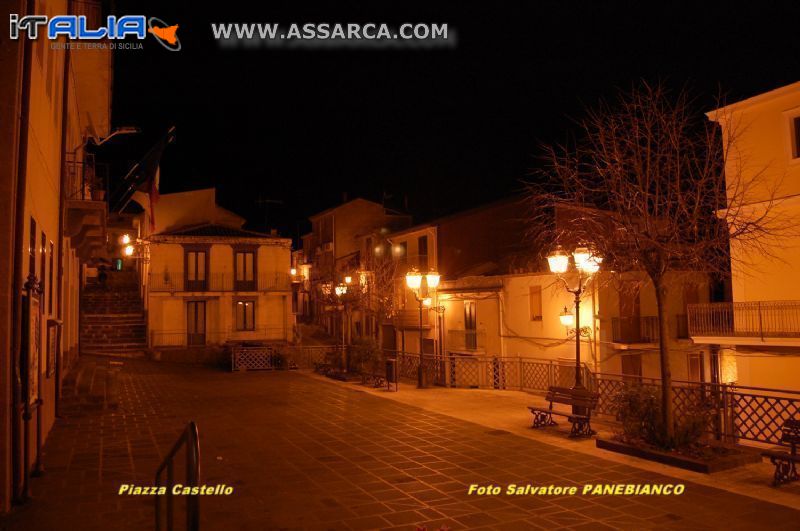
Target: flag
144,175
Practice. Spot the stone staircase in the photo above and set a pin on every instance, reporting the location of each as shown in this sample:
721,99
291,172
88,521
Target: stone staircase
112,317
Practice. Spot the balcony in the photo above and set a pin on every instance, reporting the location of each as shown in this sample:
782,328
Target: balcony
218,282
746,323
86,210
409,319
634,330
466,340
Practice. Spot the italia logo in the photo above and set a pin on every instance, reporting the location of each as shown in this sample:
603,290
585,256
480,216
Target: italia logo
76,28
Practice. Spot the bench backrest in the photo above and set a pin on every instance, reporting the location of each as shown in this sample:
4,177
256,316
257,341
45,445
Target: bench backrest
565,395
790,433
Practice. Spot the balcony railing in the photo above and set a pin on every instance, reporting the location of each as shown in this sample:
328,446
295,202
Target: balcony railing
466,339
759,319
86,180
173,282
630,330
182,338
409,319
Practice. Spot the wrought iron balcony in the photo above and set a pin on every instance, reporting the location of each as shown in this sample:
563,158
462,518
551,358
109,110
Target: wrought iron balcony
630,330
758,319
409,319
466,339
175,282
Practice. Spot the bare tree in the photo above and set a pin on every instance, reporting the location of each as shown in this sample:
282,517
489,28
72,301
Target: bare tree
379,292
644,187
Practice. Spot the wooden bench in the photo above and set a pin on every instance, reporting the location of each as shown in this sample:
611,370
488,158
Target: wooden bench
373,378
786,462
581,423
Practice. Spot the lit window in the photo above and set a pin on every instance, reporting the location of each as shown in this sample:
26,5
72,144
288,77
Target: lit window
245,315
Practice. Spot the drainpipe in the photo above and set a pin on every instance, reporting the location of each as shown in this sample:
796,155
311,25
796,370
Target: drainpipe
501,322
20,484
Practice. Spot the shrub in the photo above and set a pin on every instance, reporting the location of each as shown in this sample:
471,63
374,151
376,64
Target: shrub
638,408
364,355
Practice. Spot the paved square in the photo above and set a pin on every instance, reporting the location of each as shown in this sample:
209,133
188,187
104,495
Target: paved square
306,454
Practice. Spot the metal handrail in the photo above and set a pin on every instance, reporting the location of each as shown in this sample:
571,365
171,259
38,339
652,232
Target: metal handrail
191,439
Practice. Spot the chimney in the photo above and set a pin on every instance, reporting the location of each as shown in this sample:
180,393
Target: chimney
344,197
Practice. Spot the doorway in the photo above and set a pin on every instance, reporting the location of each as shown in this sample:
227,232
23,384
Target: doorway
196,323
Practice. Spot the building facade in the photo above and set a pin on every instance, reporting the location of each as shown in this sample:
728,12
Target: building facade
758,333
212,282
52,220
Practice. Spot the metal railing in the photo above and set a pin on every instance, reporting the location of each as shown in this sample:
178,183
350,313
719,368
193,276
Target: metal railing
761,319
466,339
738,412
635,329
409,318
174,282
86,180
189,439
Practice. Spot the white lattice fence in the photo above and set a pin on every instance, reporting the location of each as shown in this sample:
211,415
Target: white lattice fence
254,359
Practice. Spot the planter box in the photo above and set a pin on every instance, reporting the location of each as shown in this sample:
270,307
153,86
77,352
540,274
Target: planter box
741,458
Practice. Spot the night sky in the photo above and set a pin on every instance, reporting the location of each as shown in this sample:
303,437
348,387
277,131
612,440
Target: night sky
439,130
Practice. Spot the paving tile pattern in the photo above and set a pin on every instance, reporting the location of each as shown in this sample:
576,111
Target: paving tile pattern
305,454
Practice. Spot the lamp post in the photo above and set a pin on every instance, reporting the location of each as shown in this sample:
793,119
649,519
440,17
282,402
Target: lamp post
586,264
422,286
341,291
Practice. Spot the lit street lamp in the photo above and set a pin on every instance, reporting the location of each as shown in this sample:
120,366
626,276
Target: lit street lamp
422,286
586,264
341,291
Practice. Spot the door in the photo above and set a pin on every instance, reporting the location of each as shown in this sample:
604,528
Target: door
694,364
470,325
196,323
632,366
196,274
244,265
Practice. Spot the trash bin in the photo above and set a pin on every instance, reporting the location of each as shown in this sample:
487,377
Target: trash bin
391,371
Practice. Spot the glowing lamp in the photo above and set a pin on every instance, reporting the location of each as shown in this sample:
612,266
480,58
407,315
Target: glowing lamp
581,255
293,272
125,239
592,265
558,261
341,289
348,279
427,302
566,318
128,250
413,279
432,278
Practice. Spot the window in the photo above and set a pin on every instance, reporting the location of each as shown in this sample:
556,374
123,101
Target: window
245,315
244,267
536,303
50,282
422,251
470,325
32,249
43,270
196,262
796,137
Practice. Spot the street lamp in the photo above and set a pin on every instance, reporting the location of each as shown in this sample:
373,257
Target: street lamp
341,291
422,286
586,264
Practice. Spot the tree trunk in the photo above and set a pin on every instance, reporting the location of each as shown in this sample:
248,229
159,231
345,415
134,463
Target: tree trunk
667,414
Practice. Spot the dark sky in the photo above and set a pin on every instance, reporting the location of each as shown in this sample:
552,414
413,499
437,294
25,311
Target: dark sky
445,128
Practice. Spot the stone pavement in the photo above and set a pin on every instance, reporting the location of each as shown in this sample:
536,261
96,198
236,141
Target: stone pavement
303,453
